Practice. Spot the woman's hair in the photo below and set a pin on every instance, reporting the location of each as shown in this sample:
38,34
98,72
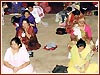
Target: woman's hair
69,9
17,41
81,19
81,43
25,19
25,12
30,6
76,12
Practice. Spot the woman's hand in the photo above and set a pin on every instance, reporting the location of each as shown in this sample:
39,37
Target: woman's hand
32,24
16,69
81,71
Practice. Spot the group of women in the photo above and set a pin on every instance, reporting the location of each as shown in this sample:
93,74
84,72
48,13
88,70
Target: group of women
16,59
81,46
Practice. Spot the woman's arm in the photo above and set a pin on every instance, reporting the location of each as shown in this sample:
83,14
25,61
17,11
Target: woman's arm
32,20
84,68
8,65
24,65
88,59
29,32
88,32
86,65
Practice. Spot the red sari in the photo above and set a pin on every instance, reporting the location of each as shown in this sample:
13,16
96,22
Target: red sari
30,43
69,24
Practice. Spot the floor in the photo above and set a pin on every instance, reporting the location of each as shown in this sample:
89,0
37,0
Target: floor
44,61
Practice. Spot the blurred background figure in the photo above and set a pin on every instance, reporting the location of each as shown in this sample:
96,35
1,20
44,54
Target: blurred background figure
45,6
4,5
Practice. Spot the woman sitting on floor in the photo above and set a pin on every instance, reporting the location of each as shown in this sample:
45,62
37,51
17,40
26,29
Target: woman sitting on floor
80,61
16,59
28,36
86,32
27,15
82,31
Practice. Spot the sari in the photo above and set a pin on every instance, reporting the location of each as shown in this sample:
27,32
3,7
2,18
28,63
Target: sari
78,60
30,43
86,36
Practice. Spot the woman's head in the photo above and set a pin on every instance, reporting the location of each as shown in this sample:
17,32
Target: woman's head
15,43
76,12
81,44
25,23
69,9
26,13
30,8
81,21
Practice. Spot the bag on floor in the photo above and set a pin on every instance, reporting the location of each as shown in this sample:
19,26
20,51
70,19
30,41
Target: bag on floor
60,69
61,31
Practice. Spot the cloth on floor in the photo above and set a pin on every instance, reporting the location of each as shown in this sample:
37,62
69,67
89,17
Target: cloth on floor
50,46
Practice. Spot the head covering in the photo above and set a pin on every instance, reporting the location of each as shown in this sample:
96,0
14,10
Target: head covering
77,7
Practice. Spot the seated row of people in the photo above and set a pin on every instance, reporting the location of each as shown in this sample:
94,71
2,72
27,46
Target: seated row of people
14,62
26,28
81,46
75,25
33,13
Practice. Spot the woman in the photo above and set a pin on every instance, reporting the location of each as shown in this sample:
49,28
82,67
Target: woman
83,31
27,15
86,32
16,59
33,10
28,36
72,20
80,61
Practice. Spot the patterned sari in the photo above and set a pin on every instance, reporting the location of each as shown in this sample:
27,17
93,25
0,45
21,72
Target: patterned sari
30,43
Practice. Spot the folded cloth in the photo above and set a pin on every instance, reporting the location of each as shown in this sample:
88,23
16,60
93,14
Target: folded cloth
50,46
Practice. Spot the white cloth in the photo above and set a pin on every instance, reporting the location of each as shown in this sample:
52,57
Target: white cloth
37,10
16,60
77,31
58,17
69,55
97,42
